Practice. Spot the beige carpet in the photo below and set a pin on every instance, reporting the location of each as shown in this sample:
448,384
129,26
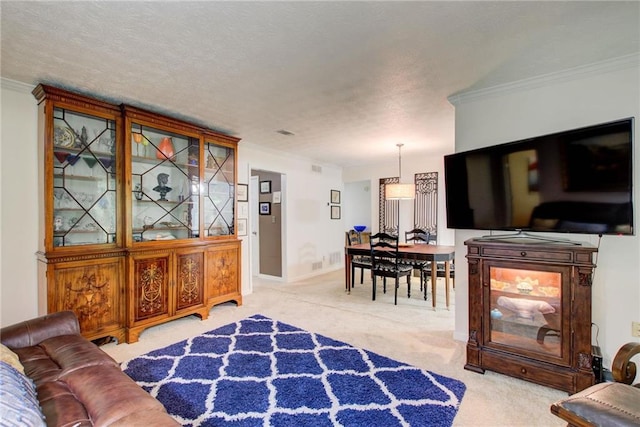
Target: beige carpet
410,332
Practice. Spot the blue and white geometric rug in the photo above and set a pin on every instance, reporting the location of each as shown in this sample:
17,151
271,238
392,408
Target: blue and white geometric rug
262,372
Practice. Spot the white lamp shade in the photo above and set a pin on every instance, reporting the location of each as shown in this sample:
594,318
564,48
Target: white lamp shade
399,191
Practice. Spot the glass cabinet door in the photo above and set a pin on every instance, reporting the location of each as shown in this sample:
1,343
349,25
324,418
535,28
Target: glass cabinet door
84,181
219,190
165,181
526,309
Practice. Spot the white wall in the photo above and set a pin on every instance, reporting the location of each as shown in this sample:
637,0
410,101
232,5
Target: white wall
581,97
357,204
311,235
18,204
411,164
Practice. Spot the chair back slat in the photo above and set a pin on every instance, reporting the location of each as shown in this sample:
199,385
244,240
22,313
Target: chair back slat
417,236
384,251
385,262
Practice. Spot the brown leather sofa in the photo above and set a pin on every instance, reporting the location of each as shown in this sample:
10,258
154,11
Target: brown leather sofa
77,383
609,403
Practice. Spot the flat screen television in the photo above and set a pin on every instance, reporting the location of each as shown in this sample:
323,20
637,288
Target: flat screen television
577,181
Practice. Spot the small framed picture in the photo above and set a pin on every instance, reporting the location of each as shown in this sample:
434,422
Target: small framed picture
242,227
265,208
265,187
243,210
242,192
335,197
335,212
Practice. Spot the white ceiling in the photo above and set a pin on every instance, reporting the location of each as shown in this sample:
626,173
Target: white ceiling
349,79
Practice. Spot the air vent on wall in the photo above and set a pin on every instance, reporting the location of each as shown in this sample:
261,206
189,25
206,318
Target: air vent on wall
316,168
316,265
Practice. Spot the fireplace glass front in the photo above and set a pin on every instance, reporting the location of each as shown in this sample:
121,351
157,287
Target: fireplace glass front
526,309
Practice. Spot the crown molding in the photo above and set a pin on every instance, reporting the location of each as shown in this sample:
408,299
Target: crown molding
615,64
15,85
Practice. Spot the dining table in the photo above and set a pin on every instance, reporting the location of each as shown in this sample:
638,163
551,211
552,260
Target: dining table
421,252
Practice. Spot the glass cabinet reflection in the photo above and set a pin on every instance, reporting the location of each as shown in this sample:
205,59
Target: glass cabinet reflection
165,181
526,309
84,181
219,190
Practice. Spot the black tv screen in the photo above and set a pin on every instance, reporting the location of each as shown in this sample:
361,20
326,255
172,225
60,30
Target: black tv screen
577,181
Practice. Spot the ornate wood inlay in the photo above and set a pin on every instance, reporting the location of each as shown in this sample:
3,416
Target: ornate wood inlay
190,283
189,274
224,272
89,299
151,280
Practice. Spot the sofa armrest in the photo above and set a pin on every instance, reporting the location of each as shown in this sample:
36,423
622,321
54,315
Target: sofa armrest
34,331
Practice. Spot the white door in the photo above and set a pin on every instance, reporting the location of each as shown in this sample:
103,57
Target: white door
254,225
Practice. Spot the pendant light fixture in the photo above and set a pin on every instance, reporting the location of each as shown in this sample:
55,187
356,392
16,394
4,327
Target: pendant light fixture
399,191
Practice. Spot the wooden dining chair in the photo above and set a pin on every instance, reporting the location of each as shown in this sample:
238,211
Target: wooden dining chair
359,261
385,263
440,267
417,236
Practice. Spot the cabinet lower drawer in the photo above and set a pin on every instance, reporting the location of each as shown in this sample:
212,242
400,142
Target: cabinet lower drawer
557,377
527,254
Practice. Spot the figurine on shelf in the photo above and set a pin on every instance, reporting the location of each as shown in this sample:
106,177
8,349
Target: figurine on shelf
82,138
57,223
137,191
162,187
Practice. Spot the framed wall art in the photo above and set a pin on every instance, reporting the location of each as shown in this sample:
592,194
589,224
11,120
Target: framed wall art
335,212
265,208
243,210
335,197
242,192
242,227
265,187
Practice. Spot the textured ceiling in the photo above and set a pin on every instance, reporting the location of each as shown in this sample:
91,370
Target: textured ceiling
349,79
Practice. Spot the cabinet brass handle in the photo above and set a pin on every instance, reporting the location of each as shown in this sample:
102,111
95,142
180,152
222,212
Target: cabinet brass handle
523,370
523,253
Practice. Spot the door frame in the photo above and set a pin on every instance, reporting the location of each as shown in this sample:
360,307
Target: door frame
254,227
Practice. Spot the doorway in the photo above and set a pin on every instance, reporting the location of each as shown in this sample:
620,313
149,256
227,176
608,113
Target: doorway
267,223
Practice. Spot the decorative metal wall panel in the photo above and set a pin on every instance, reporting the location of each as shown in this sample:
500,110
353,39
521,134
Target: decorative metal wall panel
388,209
425,205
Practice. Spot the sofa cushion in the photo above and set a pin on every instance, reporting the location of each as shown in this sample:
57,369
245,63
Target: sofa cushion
57,356
8,356
60,406
118,396
19,405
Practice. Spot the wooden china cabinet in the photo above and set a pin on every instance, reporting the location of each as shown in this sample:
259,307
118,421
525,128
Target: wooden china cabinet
138,225
530,310
81,256
179,219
